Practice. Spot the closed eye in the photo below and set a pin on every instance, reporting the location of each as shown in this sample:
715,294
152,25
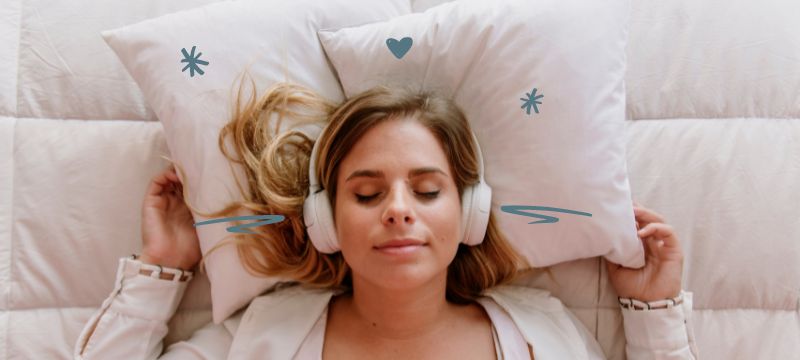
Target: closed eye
365,199
368,198
430,195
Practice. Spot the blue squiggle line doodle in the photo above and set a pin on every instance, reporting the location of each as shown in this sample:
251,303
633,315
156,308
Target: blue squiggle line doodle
518,210
270,219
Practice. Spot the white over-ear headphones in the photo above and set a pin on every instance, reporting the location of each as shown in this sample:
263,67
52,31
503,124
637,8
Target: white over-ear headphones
476,202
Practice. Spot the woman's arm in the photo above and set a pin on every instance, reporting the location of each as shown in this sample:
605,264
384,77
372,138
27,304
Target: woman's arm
652,332
132,322
663,333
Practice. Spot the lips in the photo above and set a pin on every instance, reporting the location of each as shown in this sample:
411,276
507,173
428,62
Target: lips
397,243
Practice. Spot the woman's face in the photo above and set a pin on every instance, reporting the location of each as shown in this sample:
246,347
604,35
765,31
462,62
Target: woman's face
398,213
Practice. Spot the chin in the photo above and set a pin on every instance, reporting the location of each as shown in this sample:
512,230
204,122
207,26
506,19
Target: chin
404,276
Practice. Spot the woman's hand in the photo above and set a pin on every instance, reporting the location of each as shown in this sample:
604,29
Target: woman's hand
660,278
168,235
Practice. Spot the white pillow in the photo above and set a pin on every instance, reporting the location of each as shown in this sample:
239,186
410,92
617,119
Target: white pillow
567,153
193,104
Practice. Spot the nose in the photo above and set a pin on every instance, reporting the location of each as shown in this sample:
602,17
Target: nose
398,208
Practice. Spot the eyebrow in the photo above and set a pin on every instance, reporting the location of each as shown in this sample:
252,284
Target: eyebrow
380,174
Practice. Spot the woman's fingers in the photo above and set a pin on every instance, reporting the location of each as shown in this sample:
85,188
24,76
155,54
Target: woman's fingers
170,174
647,216
165,181
173,176
157,185
660,235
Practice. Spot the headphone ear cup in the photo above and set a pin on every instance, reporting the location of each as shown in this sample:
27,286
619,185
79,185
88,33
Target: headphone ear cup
319,222
328,228
476,206
466,214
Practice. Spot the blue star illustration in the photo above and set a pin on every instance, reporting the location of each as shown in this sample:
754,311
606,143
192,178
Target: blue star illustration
192,62
531,101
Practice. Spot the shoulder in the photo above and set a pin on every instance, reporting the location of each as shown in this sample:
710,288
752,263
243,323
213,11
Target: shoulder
290,295
525,297
292,310
544,319
295,307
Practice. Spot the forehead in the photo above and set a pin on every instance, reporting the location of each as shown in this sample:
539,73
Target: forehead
393,145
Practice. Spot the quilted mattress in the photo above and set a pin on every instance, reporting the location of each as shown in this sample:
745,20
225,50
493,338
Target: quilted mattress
713,134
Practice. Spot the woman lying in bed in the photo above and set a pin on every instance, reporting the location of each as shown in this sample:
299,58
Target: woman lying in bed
400,276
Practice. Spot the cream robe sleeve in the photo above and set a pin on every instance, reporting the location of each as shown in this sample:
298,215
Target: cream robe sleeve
132,323
663,334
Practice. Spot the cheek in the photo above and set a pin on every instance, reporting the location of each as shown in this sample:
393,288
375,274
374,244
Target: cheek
447,221
348,217
350,227
341,222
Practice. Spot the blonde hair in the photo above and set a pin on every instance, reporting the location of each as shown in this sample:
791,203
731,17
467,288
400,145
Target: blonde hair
276,164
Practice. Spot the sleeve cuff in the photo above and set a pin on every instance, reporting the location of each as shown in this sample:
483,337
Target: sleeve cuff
665,329
145,296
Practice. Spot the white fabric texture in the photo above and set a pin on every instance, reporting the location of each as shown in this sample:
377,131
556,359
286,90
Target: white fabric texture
568,153
132,323
264,37
713,110
513,344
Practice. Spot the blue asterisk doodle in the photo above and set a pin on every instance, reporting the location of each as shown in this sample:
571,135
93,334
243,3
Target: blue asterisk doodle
192,62
531,101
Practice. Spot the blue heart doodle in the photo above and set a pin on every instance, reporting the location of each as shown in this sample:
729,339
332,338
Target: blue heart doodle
518,210
399,48
270,219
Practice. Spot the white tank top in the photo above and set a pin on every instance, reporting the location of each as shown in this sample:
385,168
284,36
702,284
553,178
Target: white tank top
508,341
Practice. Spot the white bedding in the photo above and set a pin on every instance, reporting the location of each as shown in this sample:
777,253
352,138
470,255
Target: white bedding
713,145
